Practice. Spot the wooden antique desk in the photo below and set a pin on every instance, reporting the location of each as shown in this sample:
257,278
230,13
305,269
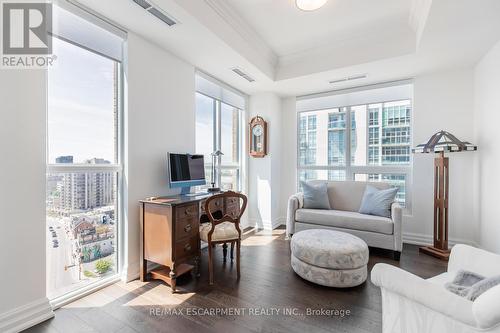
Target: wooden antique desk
170,233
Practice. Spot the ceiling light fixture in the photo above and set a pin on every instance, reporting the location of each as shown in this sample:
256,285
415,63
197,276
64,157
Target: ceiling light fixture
309,5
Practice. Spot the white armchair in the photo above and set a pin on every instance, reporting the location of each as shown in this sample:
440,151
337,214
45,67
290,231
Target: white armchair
412,304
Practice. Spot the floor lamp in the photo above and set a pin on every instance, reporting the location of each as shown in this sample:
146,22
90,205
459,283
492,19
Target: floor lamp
440,143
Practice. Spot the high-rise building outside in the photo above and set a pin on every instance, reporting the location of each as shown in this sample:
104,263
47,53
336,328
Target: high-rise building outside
80,191
64,159
380,135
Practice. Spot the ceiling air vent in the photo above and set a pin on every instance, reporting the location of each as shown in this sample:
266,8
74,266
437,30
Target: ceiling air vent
243,74
349,78
142,3
154,10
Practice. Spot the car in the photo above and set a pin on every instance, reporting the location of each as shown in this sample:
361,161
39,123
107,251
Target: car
54,234
55,246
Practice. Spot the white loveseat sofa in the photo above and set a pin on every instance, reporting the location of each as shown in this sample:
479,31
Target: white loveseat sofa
345,199
413,305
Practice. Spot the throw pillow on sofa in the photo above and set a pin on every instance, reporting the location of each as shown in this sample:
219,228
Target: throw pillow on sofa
377,202
315,195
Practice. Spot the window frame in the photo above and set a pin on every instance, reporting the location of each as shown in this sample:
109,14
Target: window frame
217,141
116,167
351,169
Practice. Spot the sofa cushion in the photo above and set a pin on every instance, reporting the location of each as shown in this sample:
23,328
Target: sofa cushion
347,195
315,195
344,219
377,202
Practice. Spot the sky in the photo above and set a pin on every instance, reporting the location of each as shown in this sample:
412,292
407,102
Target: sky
80,104
80,109
204,129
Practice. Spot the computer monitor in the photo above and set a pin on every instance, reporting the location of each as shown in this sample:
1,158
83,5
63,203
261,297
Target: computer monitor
185,170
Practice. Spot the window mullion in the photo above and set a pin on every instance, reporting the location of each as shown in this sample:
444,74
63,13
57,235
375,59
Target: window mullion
218,138
349,175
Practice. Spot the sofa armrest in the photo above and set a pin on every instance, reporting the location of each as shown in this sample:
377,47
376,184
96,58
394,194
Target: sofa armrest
397,219
296,201
473,259
428,294
486,308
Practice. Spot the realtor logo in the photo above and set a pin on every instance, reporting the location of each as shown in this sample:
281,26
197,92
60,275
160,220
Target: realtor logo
26,28
26,39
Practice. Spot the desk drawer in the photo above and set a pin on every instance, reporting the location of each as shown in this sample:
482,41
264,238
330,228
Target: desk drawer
187,227
186,248
186,211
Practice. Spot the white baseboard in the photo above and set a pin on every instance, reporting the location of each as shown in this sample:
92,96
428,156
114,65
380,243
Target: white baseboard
26,316
131,272
265,224
422,239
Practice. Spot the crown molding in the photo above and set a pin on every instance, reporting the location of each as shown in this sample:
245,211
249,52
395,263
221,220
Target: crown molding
238,24
419,12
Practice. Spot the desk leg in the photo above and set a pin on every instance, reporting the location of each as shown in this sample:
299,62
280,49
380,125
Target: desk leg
197,260
173,278
143,270
224,251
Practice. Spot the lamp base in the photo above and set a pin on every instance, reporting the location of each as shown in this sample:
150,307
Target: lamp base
435,252
213,189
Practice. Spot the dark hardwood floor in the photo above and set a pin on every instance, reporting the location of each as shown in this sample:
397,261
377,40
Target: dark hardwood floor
268,287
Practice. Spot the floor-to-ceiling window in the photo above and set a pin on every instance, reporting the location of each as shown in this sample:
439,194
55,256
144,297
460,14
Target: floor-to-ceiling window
376,148
219,117
83,155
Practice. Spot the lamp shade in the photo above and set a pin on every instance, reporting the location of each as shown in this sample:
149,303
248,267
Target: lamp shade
444,142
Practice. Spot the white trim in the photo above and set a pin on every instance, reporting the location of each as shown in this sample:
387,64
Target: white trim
92,16
264,224
356,89
419,12
84,291
26,316
423,239
81,168
244,30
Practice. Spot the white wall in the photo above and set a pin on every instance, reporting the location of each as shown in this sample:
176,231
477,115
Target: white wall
288,152
442,100
264,173
22,198
160,118
487,107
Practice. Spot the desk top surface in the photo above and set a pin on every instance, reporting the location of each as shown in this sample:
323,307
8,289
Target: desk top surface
176,200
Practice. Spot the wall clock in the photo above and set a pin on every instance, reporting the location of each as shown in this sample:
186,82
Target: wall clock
258,137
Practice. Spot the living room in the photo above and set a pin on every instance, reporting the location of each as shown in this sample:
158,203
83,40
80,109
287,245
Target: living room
343,151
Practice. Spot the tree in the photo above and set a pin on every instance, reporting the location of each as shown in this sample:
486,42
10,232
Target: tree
102,266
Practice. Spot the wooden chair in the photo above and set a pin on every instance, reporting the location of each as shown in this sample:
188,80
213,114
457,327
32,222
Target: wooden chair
224,230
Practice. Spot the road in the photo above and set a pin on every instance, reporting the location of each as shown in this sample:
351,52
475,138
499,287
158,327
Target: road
60,281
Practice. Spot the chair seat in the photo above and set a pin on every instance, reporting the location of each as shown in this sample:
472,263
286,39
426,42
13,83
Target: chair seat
224,231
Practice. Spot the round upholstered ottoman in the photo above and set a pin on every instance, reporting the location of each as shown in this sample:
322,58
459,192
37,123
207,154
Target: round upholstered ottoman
329,258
